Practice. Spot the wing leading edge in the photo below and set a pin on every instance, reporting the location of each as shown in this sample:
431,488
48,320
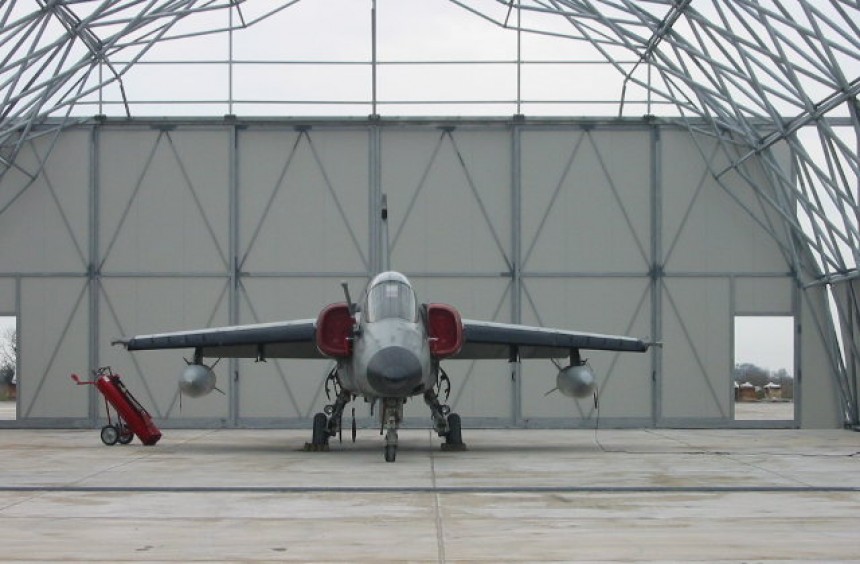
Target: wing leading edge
287,339
485,340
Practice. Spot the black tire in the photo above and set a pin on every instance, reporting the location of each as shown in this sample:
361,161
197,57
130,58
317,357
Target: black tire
320,435
354,429
110,435
125,435
455,431
390,453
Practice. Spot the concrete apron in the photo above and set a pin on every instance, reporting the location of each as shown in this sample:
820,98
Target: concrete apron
514,495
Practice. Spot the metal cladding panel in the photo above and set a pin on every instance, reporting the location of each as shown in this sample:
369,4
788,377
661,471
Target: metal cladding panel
304,200
8,296
141,306
820,407
43,222
287,388
449,199
617,306
764,296
54,339
711,227
164,200
846,296
697,362
585,201
478,388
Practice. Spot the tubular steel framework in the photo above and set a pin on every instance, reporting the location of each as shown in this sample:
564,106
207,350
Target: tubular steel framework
763,78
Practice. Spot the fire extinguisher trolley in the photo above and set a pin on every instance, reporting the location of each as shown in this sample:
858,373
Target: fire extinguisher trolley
131,417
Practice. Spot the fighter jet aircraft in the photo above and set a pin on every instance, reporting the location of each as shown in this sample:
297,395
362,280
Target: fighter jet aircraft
387,349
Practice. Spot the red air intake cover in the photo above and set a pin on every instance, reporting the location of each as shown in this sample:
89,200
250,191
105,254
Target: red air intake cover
444,329
334,330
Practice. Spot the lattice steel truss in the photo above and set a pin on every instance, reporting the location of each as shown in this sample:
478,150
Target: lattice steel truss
756,75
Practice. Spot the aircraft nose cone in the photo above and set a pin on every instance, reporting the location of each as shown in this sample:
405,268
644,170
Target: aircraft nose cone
394,371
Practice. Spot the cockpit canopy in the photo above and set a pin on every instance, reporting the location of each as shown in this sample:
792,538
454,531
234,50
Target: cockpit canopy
391,297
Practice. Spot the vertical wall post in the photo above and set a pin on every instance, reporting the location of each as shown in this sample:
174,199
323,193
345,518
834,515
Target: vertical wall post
93,274
516,267
234,274
797,307
657,275
375,230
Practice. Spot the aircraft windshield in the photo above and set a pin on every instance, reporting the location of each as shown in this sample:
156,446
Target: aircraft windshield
391,299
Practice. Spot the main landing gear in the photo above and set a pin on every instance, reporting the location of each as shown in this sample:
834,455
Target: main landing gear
329,423
445,423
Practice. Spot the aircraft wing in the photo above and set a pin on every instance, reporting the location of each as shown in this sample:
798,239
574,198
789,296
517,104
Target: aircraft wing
485,339
286,339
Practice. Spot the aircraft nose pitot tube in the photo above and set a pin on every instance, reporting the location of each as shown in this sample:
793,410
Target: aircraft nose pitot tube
577,381
196,380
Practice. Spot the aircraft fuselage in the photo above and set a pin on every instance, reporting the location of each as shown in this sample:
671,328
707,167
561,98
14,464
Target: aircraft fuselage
391,359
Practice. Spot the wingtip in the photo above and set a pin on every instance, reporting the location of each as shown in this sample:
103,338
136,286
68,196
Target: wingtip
123,342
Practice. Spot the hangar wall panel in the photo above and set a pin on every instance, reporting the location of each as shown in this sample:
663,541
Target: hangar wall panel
140,306
618,228
8,296
614,306
585,201
697,359
707,226
44,221
764,296
54,342
449,195
846,296
303,200
164,200
818,387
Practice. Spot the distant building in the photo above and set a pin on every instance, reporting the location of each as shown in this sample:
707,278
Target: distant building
746,392
773,391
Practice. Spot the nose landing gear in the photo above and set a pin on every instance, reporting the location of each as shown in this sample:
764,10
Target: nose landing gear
391,415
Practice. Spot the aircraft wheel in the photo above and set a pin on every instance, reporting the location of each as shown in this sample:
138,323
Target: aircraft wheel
125,435
390,453
455,431
320,436
110,435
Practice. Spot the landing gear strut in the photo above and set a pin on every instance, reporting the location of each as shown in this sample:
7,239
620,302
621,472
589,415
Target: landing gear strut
391,415
445,423
329,423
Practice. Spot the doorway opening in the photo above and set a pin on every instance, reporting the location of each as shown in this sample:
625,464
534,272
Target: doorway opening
763,375
8,367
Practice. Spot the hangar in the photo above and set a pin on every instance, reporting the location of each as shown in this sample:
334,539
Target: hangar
719,182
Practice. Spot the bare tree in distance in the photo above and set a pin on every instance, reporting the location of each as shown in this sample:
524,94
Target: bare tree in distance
8,354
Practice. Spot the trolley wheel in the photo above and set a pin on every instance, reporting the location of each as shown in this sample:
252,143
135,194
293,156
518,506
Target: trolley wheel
125,435
110,435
